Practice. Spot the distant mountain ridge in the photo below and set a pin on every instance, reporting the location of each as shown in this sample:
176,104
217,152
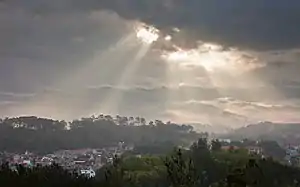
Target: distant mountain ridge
284,133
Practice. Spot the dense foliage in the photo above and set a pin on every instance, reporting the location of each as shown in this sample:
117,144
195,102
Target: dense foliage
32,133
200,166
51,176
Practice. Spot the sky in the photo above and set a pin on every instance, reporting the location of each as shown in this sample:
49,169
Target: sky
223,63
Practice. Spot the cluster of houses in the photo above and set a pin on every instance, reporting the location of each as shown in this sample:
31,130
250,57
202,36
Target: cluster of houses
87,161
84,161
254,149
293,155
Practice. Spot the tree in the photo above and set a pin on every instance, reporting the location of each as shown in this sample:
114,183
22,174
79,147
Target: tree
216,145
200,148
181,171
143,121
114,175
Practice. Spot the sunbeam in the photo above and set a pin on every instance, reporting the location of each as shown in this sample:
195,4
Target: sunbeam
147,35
77,80
110,104
193,76
228,72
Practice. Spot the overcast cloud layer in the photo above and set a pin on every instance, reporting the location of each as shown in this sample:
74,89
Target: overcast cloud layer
69,58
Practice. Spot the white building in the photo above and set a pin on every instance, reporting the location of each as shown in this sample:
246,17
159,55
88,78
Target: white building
89,173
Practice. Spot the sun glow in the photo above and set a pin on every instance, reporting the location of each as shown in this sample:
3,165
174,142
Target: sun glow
211,57
147,34
168,38
180,55
209,60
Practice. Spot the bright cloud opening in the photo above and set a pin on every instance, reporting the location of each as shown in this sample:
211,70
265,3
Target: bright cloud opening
147,34
211,57
168,38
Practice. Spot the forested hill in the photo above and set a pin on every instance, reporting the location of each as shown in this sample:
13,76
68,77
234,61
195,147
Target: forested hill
284,133
47,135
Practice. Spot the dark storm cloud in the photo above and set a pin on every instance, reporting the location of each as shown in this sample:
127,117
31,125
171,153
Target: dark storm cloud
256,24
39,48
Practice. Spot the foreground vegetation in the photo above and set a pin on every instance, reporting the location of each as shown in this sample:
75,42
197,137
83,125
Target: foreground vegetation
202,165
